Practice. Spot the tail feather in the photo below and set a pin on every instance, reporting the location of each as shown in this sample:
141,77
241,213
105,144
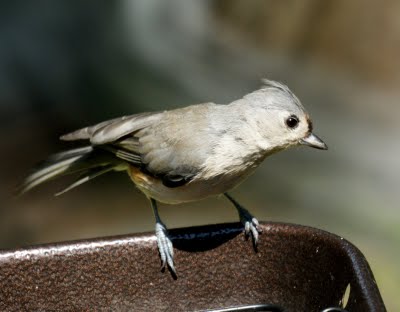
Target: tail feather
69,154
48,170
87,161
89,175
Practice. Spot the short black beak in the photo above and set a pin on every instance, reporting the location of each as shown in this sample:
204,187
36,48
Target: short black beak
313,141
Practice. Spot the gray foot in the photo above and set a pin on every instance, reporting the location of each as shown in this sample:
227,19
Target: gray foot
251,225
165,247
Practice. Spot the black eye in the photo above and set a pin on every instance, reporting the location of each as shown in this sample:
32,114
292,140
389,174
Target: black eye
292,121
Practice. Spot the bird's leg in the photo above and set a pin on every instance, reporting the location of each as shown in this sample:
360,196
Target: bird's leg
250,223
164,243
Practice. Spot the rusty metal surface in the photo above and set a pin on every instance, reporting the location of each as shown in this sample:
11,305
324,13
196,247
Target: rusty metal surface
299,268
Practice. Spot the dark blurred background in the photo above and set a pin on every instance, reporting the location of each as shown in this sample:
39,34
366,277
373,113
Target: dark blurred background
67,64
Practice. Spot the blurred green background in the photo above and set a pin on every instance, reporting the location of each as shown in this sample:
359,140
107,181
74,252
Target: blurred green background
67,64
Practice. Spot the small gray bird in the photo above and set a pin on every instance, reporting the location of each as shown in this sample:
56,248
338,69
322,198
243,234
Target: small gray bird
189,153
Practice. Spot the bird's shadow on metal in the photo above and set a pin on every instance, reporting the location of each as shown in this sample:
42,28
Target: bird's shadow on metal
204,238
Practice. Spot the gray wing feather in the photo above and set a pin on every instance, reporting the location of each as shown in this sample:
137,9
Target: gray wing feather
164,143
87,132
114,129
117,130
180,142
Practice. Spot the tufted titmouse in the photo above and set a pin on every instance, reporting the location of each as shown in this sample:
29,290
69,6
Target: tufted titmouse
189,153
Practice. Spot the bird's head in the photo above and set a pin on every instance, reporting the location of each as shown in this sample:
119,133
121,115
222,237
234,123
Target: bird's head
281,118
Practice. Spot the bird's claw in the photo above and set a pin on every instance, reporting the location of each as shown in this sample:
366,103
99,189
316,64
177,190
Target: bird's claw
251,225
165,247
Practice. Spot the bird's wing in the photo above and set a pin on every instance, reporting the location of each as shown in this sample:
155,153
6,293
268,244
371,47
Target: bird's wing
179,143
172,145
